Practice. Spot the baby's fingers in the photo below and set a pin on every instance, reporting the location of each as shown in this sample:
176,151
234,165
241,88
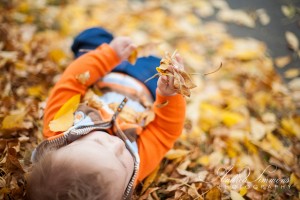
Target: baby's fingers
128,50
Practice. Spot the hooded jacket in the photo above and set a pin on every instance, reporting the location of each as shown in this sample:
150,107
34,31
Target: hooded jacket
152,141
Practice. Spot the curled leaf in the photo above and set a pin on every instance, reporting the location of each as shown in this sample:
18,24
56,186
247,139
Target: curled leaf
84,77
161,105
182,80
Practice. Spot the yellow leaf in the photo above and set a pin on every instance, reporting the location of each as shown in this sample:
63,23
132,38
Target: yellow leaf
235,196
275,142
149,180
290,127
161,71
295,181
57,55
231,118
292,73
176,153
36,91
251,147
203,160
70,105
63,122
13,121
213,194
243,190
132,57
231,149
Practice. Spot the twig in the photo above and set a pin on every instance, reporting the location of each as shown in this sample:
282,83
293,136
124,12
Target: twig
213,71
152,77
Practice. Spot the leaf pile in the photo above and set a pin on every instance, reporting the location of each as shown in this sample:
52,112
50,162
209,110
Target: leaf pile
241,137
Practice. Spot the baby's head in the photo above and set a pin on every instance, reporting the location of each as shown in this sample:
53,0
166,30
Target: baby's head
96,166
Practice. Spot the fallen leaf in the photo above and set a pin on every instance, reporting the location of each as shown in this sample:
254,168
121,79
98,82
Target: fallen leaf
294,84
92,100
238,180
231,118
176,153
193,177
213,194
294,181
161,105
290,127
236,16
84,77
282,61
263,17
258,129
235,195
70,105
292,40
146,117
288,11
64,118
57,55
243,190
36,91
16,121
292,73
193,192
63,122
149,180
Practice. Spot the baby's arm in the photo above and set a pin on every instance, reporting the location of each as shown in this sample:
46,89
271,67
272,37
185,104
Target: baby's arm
97,62
159,136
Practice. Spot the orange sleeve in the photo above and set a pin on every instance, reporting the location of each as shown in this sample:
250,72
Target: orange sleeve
159,136
98,62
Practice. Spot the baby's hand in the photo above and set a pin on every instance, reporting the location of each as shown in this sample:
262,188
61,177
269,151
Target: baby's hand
123,47
165,83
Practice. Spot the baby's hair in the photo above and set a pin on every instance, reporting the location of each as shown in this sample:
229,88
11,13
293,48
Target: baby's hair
57,179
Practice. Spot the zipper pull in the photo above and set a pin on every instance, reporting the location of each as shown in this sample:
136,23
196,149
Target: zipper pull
119,109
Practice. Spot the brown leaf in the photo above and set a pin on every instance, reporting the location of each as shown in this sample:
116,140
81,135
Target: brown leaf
193,177
83,78
182,81
149,180
161,105
213,194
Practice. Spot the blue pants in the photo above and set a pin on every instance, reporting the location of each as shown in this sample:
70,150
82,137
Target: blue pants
144,68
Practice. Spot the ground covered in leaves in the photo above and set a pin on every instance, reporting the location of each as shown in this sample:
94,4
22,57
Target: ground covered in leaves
242,131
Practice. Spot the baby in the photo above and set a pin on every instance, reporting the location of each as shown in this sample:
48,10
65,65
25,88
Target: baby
114,145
